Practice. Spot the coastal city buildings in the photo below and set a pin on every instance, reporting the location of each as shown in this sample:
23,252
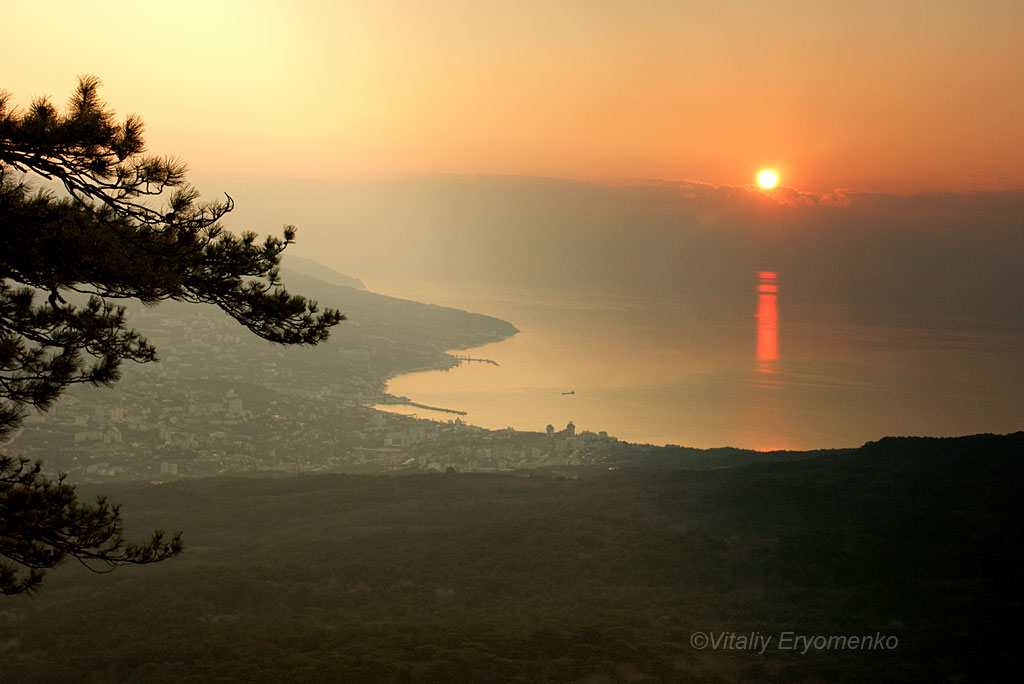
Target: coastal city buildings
221,401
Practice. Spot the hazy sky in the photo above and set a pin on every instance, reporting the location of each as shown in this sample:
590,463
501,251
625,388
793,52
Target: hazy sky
879,96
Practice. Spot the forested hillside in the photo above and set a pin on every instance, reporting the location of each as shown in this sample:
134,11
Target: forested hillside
514,578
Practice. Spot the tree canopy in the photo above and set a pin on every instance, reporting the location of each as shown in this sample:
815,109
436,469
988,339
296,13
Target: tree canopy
42,522
88,218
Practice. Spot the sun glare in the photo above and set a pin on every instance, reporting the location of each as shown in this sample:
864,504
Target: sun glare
767,178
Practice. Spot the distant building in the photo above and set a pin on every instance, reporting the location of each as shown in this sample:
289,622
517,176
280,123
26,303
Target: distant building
234,403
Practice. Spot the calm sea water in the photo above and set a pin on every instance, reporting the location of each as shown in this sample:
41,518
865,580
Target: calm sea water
751,368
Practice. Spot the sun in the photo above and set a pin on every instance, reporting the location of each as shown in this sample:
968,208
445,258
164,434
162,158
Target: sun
767,178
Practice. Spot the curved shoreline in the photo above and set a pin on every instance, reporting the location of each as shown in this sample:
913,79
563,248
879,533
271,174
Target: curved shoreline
448,360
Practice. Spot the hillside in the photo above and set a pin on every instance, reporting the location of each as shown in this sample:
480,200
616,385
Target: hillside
319,271
513,578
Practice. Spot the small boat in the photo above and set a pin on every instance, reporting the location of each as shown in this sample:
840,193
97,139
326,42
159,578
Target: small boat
569,392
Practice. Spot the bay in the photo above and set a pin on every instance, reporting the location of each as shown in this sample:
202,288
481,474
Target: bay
684,368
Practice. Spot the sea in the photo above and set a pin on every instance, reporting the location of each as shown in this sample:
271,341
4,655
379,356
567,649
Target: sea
759,367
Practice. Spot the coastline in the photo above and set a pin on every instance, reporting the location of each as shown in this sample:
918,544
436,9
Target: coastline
448,360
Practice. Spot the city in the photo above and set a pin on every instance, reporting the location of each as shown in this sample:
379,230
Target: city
222,402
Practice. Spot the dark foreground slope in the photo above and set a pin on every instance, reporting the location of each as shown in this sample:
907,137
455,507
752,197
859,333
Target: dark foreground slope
605,578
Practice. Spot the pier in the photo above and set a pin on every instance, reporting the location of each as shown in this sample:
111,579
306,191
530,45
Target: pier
391,400
460,359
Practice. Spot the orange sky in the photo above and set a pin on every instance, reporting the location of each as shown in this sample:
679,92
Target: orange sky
905,96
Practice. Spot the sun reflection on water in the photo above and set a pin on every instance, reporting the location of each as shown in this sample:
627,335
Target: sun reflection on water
767,321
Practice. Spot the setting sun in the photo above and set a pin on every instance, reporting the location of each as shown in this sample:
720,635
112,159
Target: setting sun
767,178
